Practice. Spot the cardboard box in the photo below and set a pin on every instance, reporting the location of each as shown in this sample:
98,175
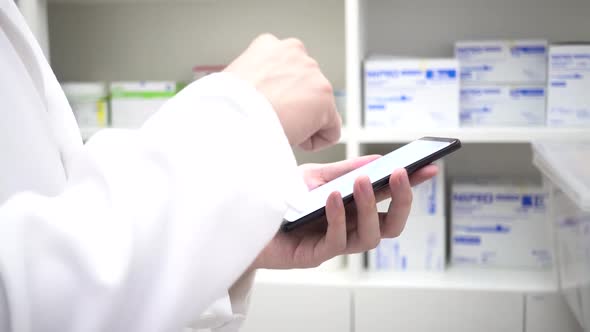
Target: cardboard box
504,105
421,93
568,101
502,61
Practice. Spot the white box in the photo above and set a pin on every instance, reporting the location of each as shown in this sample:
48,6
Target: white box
548,312
502,61
568,102
422,93
504,105
132,103
422,244
89,103
494,223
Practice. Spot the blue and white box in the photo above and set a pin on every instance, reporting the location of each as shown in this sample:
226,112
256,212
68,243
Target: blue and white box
422,244
502,61
568,101
503,105
403,92
494,223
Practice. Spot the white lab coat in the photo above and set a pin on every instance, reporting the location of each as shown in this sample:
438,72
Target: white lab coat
138,230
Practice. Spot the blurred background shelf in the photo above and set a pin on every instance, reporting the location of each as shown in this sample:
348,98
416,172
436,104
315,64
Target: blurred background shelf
474,135
138,2
503,280
454,278
87,132
313,277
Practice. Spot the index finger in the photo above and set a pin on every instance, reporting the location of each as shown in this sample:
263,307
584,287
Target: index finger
424,174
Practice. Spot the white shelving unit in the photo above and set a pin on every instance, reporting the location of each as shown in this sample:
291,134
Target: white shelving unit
341,33
35,13
476,135
88,132
505,280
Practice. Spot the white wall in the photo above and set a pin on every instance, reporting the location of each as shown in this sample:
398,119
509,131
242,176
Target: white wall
430,27
163,40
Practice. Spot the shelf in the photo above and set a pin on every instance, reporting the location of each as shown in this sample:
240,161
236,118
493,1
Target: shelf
87,132
311,277
499,280
509,280
344,135
128,1
467,135
475,135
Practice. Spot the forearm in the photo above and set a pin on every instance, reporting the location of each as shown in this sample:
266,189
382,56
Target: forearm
135,241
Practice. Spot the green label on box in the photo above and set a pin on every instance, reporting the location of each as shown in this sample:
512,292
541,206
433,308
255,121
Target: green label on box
142,94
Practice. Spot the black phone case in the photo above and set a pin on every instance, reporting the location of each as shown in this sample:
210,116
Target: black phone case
379,184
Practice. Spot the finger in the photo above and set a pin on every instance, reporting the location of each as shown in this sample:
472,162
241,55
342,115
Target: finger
334,242
295,43
401,203
423,174
324,138
328,134
333,170
264,39
367,234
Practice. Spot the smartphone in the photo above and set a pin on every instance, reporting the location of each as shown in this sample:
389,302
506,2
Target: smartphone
411,156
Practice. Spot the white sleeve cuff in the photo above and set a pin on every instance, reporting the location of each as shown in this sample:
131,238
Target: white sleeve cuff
229,312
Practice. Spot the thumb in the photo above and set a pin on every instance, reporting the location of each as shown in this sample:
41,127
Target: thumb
331,171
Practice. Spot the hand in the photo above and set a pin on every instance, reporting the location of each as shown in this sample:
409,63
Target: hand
298,91
356,228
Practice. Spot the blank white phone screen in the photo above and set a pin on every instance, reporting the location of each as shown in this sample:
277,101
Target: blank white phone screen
376,170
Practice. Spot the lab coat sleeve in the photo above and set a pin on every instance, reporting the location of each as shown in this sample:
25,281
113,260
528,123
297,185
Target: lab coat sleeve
228,313
155,224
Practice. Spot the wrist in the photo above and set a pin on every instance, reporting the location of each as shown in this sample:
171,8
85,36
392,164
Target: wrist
255,85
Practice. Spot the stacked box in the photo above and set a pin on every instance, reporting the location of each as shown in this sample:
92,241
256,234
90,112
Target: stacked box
496,223
504,105
406,93
568,103
502,61
422,244
503,82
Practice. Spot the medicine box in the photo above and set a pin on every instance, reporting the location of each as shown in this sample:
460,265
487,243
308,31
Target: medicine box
503,105
568,103
89,103
402,92
132,103
498,223
422,244
502,61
